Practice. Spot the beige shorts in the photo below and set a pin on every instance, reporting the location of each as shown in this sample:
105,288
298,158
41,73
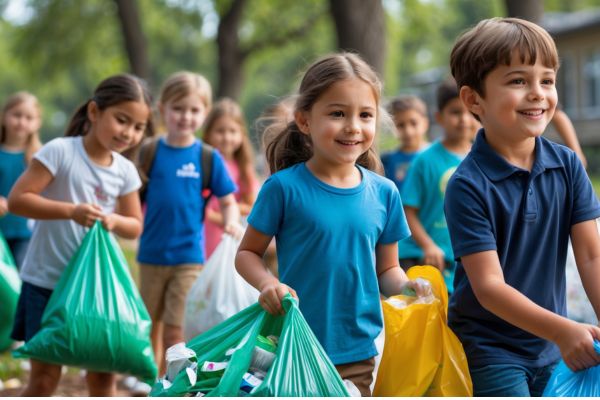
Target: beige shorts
164,289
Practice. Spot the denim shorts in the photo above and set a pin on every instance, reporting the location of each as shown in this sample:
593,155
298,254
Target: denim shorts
30,308
508,380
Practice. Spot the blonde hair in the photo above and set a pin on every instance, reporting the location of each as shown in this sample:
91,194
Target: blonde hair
492,42
290,146
33,143
244,155
185,83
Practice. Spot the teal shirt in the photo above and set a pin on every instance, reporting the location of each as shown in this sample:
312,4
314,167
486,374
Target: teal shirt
12,165
424,188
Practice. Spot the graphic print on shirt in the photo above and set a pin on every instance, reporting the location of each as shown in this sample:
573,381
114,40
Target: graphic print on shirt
188,171
101,195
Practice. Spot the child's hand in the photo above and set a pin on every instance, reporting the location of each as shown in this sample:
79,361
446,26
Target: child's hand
271,293
86,214
576,346
421,286
234,229
109,222
3,206
433,255
214,216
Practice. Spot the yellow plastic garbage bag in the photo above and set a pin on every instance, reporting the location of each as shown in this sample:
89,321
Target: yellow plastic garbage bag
421,355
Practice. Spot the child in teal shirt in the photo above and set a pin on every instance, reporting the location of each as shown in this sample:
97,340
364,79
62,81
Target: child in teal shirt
425,186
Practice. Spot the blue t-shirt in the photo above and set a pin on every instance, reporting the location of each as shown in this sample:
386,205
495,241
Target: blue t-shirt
526,217
173,228
424,189
12,165
326,239
395,164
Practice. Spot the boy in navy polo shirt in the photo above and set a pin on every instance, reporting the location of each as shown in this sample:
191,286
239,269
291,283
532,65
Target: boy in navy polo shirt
511,206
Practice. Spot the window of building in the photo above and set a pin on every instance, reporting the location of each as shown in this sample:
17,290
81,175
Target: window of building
591,84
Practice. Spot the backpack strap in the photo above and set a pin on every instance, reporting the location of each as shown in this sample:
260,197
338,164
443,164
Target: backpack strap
144,162
206,159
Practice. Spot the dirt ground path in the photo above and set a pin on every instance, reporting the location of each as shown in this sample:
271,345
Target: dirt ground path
72,384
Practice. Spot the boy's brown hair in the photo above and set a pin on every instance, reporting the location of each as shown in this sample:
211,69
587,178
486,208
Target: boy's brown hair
492,42
407,103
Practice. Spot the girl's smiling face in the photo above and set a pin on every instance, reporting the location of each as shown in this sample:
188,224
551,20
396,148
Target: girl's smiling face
342,122
226,135
119,127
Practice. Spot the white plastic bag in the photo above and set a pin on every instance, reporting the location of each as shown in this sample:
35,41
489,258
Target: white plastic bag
218,293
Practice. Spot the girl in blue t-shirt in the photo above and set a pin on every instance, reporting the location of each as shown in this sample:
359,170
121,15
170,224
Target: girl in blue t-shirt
335,221
20,121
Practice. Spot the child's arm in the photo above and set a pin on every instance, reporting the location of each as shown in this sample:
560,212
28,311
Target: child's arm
127,219
231,215
565,129
586,248
3,205
25,199
250,265
432,254
487,280
392,279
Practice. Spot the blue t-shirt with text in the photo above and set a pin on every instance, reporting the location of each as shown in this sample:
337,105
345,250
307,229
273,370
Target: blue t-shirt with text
173,227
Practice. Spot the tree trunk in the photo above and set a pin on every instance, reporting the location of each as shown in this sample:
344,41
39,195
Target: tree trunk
360,27
531,10
133,35
231,58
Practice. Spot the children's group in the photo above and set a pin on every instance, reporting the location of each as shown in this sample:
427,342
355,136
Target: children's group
490,203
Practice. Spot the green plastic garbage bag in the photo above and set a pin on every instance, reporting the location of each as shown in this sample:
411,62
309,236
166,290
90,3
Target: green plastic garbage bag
300,368
10,287
95,318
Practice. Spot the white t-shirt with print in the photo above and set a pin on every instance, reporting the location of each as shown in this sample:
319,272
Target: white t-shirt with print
77,179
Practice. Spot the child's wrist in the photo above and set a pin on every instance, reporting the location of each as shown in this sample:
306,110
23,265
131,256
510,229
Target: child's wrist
266,282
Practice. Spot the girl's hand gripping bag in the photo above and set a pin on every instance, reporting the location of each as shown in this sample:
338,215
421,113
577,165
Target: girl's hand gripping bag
95,318
297,367
421,355
566,383
10,287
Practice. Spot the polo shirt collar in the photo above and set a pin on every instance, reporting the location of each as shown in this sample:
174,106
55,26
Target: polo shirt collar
497,168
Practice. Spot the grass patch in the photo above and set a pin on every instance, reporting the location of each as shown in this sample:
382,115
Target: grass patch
10,367
596,183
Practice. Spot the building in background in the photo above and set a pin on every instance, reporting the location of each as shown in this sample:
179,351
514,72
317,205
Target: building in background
577,37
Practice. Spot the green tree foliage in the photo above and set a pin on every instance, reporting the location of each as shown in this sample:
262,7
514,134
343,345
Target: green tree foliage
65,47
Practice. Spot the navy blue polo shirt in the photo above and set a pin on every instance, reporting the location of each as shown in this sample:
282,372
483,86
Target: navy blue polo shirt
526,217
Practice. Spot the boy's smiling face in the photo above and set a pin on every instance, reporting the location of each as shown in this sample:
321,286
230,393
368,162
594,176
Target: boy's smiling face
519,100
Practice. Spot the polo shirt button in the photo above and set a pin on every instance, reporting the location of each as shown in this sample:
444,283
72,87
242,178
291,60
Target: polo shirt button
530,191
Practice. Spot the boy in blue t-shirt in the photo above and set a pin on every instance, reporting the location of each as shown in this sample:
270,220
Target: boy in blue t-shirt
425,186
410,118
511,206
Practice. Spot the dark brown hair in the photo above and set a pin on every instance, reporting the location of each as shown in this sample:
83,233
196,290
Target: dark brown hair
446,92
110,92
492,42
